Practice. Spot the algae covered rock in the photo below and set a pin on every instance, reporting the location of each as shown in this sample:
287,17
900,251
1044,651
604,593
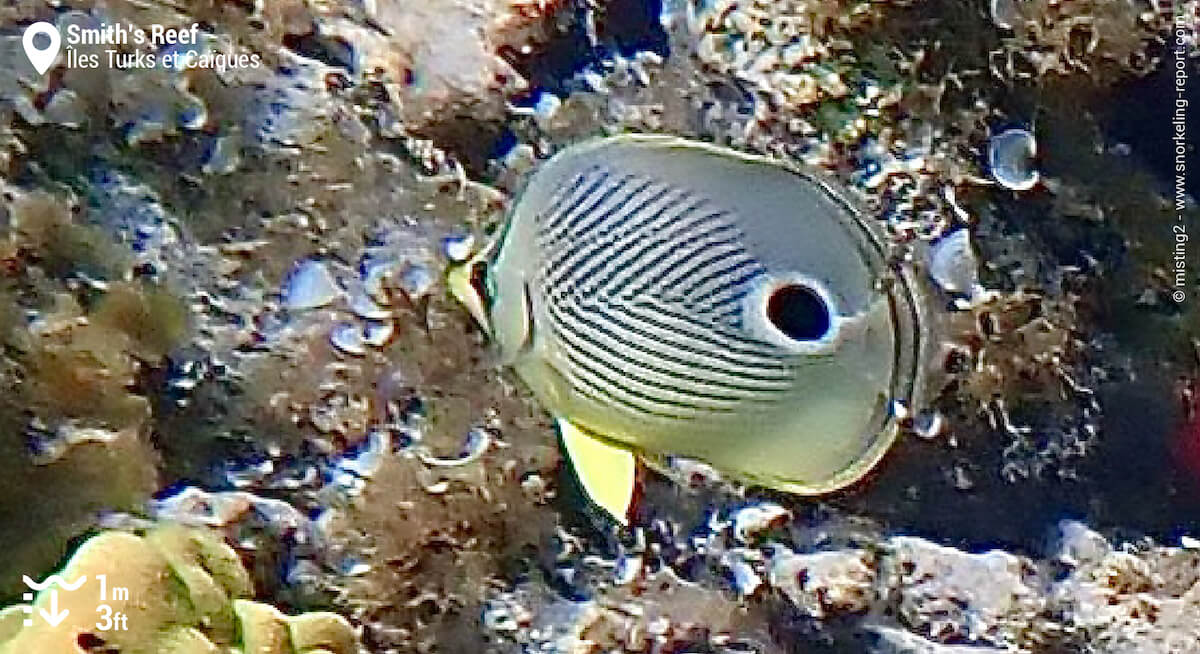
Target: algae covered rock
176,589
75,433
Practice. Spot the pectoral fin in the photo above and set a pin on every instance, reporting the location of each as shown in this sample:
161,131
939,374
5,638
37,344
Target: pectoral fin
607,472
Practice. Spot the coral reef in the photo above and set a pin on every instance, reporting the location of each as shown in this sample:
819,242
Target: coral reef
186,592
221,303
906,594
75,429
1043,38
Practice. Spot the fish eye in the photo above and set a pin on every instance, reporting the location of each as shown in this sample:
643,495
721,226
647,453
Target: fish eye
799,312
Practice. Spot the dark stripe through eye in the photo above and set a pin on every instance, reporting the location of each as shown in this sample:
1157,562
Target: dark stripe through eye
482,284
798,312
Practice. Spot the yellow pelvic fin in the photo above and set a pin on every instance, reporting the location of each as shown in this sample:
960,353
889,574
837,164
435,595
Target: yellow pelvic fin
606,471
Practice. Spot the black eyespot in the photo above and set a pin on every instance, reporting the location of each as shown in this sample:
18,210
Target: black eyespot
798,312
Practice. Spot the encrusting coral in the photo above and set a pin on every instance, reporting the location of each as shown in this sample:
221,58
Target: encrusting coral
182,591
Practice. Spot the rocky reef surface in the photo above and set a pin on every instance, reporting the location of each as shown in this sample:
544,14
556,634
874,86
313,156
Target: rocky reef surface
222,305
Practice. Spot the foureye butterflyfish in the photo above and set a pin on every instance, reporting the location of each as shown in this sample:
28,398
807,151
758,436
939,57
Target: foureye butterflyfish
668,297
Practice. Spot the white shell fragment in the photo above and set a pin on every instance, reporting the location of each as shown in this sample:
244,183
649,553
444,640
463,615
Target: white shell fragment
348,338
627,569
1004,13
745,579
458,248
223,157
194,506
364,307
754,519
547,105
370,457
374,274
378,333
416,279
310,285
69,435
478,441
352,566
952,264
929,424
1010,157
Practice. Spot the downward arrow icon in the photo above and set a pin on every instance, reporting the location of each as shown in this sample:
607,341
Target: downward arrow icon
54,617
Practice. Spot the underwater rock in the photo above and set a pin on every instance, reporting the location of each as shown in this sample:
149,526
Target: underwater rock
424,530
825,584
1136,598
955,596
663,614
442,73
893,640
911,595
777,47
86,479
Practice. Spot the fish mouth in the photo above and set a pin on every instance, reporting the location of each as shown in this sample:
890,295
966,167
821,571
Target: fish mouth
467,284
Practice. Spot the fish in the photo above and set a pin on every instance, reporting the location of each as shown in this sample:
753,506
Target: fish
664,297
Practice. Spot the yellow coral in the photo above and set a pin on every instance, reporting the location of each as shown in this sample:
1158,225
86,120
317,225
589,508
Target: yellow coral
185,589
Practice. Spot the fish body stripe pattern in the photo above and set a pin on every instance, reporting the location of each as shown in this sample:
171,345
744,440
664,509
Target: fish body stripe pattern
667,271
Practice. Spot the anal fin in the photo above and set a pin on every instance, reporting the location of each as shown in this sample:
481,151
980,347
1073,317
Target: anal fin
607,472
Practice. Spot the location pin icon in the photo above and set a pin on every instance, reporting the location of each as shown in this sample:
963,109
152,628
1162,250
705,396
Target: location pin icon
41,58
